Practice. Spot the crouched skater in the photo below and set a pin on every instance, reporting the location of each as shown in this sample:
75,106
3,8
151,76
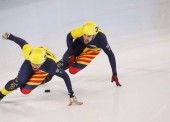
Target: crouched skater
38,67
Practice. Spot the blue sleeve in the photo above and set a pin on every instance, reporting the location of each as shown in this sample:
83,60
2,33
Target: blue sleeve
50,66
106,48
70,43
17,40
61,73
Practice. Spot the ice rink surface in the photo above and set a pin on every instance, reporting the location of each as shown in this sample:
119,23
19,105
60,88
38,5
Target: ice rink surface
139,35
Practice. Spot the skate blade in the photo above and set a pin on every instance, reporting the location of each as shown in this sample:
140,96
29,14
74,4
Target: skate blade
76,103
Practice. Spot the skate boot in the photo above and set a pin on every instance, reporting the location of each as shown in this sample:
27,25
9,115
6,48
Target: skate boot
74,100
1,96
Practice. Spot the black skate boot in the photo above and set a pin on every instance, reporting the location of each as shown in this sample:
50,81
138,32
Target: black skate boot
1,96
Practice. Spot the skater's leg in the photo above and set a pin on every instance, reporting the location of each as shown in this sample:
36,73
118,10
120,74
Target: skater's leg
84,59
23,76
35,80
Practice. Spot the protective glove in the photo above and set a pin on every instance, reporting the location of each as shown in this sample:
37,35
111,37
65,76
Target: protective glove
115,79
73,99
71,60
6,35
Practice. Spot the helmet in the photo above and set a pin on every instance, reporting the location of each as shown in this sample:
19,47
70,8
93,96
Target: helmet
90,28
37,56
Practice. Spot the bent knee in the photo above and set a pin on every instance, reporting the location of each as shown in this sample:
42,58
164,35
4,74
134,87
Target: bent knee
73,70
25,91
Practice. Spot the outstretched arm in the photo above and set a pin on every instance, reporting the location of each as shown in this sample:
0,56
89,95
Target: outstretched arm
19,41
51,67
105,46
61,73
26,48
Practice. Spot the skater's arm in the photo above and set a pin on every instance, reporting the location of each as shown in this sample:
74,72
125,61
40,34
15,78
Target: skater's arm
26,48
70,43
106,48
61,73
75,33
21,42
50,67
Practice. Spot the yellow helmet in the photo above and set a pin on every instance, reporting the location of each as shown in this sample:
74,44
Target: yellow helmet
37,56
90,28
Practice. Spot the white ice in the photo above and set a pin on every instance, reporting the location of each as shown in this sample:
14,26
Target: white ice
138,32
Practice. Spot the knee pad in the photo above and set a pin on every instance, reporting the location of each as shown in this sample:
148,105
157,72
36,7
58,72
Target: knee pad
25,91
73,70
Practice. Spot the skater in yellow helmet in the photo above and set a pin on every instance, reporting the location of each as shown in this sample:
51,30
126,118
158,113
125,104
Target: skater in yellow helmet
84,44
39,63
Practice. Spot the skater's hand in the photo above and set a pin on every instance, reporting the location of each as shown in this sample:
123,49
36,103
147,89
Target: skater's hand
6,35
115,79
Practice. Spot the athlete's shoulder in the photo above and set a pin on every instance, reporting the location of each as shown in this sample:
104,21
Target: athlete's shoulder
101,35
101,39
26,50
77,32
50,54
101,31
